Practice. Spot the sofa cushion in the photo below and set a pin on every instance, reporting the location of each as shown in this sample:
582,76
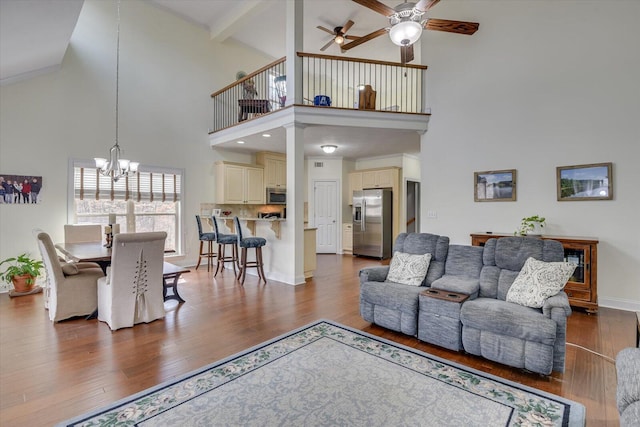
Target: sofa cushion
505,318
392,295
408,269
539,280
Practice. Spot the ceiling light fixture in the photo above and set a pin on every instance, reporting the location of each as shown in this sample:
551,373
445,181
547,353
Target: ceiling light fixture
339,39
116,167
266,135
240,142
329,148
406,24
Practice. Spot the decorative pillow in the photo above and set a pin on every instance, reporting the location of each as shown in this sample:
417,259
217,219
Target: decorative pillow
69,268
539,280
408,269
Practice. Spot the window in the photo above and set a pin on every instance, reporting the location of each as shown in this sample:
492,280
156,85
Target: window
148,201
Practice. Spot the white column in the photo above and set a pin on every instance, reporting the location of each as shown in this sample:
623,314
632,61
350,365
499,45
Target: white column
294,35
295,202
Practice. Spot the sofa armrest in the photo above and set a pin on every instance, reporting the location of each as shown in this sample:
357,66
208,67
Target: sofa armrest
628,370
374,274
557,305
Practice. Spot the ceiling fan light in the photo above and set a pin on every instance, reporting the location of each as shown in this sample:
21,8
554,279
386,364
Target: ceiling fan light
339,39
329,148
405,33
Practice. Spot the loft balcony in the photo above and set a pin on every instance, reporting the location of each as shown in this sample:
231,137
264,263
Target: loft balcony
329,90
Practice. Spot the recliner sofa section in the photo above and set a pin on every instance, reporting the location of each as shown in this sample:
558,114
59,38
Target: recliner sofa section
505,332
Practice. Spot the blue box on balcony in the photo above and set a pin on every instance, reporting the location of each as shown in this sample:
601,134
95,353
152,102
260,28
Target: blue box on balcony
322,101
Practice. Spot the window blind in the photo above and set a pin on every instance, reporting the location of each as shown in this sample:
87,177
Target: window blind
150,186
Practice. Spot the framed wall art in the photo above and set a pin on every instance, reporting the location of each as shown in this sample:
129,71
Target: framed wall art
495,186
585,182
20,189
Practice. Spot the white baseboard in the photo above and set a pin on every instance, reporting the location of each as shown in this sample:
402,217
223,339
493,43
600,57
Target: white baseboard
620,304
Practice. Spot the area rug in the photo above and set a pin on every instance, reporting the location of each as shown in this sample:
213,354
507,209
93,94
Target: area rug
326,374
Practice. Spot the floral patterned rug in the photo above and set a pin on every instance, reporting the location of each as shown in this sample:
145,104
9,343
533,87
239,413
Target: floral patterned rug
326,374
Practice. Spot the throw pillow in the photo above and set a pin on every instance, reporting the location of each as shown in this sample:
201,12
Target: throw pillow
539,280
408,269
69,268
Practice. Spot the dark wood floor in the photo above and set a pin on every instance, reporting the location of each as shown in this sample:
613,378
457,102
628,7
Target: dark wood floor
49,372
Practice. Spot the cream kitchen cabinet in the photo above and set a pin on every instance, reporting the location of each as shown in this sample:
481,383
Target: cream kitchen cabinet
382,178
347,238
275,169
355,183
239,184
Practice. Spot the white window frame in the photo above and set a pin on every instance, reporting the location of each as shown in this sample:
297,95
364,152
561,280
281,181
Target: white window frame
131,215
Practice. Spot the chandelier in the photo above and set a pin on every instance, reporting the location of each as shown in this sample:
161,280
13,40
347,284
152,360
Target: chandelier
116,167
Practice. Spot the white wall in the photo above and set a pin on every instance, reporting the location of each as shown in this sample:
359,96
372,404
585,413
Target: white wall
541,84
168,68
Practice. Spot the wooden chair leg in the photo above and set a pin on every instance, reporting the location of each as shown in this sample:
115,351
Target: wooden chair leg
243,270
235,260
209,255
199,255
220,259
260,264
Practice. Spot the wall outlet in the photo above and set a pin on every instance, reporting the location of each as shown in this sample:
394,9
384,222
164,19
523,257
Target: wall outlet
432,214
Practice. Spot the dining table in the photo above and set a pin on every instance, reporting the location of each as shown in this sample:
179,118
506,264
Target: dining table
100,254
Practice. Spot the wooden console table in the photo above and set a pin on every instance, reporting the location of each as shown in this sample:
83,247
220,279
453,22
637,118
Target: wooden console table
582,287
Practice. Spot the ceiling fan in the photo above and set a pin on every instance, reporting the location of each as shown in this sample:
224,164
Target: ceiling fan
407,23
339,34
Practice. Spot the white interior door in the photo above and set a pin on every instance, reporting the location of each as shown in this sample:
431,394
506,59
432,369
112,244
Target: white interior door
325,196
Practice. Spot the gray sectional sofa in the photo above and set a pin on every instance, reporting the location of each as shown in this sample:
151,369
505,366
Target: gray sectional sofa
464,307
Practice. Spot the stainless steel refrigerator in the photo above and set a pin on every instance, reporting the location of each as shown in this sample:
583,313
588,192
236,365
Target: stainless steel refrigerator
372,227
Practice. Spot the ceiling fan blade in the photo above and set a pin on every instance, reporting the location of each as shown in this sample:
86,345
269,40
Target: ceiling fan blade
376,6
459,27
364,39
425,5
348,37
346,26
406,54
326,46
320,27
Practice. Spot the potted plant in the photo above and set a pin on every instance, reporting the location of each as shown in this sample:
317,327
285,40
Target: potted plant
531,226
22,272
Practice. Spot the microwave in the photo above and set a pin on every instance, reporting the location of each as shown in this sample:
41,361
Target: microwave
276,196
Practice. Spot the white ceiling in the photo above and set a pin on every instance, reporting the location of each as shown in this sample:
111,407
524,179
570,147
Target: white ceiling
34,35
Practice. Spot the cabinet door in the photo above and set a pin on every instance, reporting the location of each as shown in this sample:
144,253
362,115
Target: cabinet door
355,183
270,172
581,255
369,179
384,178
234,184
347,238
254,189
281,173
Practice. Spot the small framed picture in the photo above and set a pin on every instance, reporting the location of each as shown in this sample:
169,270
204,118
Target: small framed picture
584,182
216,212
495,186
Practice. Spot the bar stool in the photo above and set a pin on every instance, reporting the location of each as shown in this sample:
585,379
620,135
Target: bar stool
250,242
209,238
225,240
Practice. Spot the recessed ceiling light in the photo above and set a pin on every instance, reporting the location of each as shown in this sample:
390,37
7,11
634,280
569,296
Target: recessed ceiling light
240,142
266,135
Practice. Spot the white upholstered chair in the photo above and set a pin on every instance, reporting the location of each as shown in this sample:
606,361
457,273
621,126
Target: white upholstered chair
72,288
82,233
131,292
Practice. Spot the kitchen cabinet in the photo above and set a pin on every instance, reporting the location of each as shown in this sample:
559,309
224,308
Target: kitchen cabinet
355,184
239,184
347,238
310,261
582,287
382,178
275,169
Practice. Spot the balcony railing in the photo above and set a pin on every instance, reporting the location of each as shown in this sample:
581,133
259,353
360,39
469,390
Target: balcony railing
327,82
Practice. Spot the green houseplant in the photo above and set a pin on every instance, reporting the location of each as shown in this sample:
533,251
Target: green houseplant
22,272
531,225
